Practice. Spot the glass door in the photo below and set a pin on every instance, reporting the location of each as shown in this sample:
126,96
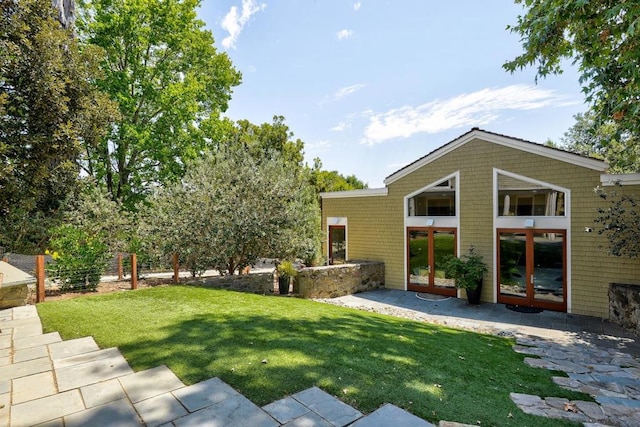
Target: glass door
337,244
427,249
532,268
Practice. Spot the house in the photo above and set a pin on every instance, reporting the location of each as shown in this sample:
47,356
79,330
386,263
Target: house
528,209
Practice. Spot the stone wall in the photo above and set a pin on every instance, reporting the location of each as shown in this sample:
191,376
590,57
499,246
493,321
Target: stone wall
256,283
338,280
13,296
624,305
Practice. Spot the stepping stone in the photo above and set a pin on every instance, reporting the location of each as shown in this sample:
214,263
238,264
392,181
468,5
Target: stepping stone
236,411
328,407
73,347
33,387
22,343
310,419
205,393
46,409
160,409
115,414
76,376
102,392
285,410
25,311
391,415
5,408
86,357
30,353
152,382
23,369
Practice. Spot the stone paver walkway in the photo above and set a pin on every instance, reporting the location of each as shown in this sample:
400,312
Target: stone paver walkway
46,381
610,376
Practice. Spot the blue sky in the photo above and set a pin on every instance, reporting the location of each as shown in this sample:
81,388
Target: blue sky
372,85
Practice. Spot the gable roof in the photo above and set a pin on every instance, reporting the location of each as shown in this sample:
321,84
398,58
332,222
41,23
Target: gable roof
504,140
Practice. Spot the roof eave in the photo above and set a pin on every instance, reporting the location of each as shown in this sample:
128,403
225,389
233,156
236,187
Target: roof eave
503,140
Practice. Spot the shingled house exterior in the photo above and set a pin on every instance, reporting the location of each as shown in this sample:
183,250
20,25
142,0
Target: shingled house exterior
526,208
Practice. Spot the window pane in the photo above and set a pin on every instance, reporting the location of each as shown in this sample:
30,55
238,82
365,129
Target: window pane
419,257
513,264
338,244
444,246
521,198
438,200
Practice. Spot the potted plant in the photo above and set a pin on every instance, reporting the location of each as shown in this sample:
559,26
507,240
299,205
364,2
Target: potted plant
468,271
286,272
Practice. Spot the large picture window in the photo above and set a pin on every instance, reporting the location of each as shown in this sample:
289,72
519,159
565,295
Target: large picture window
437,200
518,197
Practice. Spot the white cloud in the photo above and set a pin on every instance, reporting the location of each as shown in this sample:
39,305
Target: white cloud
345,34
356,6
341,127
342,92
348,90
317,147
466,110
234,22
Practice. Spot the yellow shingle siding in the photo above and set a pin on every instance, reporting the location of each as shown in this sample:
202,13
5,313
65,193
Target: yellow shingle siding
376,224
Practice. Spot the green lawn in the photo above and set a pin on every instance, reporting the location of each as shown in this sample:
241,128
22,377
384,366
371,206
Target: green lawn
365,359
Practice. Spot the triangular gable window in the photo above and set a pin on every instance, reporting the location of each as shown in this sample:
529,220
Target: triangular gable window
518,196
437,199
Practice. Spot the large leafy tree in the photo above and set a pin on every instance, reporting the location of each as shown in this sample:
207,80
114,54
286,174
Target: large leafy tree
230,209
49,107
602,37
323,180
167,77
602,142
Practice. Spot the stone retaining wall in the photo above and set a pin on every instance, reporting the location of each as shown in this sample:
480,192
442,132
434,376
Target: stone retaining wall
13,296
338,280
256,283
624,305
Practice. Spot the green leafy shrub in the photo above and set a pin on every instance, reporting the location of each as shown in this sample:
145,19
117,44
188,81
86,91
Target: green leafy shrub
79,258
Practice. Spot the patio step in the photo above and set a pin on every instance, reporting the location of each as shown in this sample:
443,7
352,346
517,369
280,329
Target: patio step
44,379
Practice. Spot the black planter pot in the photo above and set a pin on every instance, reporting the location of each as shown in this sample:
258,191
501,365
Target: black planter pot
283,285
473,295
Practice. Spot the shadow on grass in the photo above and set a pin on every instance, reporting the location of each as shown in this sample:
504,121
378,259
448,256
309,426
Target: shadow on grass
268,347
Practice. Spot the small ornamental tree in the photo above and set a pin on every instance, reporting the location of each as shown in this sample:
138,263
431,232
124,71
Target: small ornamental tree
94,229
231,209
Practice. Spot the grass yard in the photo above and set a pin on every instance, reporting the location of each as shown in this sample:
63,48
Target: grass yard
363,358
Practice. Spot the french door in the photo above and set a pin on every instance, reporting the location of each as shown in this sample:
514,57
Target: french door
532,268
337,244
427,249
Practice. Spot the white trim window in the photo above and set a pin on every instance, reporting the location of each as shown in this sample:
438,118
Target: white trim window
434,205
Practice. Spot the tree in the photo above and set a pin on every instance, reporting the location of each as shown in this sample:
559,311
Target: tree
324,181
231,209
600,142
93,229
167,77
48,108
602,38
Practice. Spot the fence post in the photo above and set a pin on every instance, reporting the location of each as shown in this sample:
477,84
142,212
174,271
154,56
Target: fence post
39,278
176,269
120,266
134,272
